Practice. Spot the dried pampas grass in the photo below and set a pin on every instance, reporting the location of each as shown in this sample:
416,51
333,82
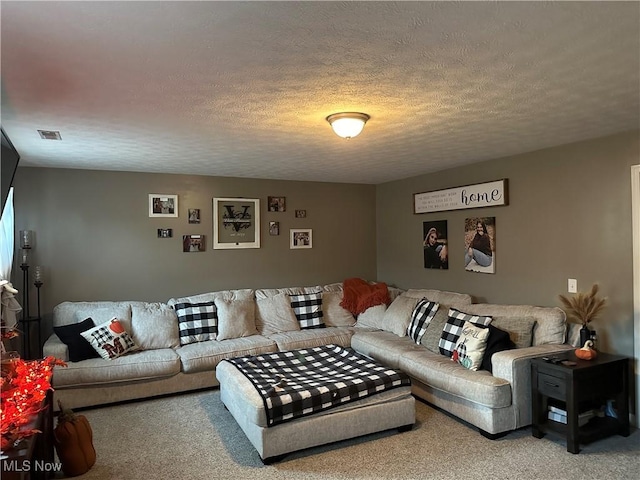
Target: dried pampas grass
584,307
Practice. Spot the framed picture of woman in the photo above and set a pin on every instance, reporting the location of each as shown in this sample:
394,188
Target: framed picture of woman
480,244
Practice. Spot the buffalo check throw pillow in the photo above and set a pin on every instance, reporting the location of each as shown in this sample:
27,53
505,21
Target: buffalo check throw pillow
110,340
308,310
453,328
198,322
421,317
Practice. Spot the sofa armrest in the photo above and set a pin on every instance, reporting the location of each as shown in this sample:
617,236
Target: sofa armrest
55,348
515,366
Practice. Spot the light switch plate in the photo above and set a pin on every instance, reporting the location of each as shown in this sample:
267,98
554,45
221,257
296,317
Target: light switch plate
572,285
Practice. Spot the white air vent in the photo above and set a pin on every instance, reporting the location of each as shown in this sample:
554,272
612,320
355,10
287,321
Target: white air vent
49,135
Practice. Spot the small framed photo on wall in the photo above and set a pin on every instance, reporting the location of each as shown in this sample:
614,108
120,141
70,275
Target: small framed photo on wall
301,214
163,205
194,215
193,243
277,204
165,233
301,238
274,228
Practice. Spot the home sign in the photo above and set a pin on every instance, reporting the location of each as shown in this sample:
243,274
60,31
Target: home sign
488,194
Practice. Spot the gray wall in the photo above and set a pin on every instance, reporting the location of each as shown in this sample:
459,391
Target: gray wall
95,238
569,216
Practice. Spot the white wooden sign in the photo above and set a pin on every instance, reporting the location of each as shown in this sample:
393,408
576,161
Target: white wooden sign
488,194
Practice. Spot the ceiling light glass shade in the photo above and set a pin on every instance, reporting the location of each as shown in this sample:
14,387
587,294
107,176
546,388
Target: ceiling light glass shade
348,124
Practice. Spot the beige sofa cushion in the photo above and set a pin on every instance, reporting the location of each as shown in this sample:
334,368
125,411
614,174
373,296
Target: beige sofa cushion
154,325
431,338
313,337
274,314
440,373
336,315
372,317
240,294
270,292
236,318
440,296
520,329
398,315
550,325
204,356
141,365
67,313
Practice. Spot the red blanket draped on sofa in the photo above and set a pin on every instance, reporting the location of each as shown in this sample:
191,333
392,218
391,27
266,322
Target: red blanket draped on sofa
360,295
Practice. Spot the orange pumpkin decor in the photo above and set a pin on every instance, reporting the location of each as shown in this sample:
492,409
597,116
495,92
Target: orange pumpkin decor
586,352
116,327
73,439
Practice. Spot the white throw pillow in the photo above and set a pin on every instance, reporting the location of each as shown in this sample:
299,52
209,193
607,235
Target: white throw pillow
110,340
471,346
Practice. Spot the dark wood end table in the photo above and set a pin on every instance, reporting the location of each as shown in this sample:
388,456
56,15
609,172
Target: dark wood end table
588,383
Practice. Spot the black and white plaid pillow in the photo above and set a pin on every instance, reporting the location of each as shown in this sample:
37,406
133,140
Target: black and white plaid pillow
421,317
198,322
308,310
453,328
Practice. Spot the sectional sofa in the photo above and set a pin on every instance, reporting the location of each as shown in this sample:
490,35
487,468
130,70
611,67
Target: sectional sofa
170,356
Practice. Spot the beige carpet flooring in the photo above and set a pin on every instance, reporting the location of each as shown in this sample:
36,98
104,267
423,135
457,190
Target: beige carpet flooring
193,437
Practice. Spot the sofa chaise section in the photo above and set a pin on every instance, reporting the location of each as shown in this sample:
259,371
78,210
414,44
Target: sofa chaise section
496,402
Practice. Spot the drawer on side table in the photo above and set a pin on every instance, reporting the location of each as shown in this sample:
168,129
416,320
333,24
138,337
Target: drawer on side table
551,386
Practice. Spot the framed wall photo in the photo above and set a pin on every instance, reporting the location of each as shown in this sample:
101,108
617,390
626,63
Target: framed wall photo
301,214
480,244
434,243
301,238
165,232
277,204
193,243
194,215
236,223
163,205
274,228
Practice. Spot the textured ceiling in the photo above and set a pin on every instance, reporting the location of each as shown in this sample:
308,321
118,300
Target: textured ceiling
243,88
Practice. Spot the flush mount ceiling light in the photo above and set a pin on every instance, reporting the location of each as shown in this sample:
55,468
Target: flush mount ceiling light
348,124
49,134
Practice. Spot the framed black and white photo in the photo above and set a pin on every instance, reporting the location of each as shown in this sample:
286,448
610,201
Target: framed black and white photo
193,243
194,215
236,223
274,228
165,233
301,214
301,238
163,205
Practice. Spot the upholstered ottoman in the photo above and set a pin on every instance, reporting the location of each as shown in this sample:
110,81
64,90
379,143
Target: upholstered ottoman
274,437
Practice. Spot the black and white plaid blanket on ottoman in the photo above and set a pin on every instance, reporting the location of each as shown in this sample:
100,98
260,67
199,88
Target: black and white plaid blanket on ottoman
302,382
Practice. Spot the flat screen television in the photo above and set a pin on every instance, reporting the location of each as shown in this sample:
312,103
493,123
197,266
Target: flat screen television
8,165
